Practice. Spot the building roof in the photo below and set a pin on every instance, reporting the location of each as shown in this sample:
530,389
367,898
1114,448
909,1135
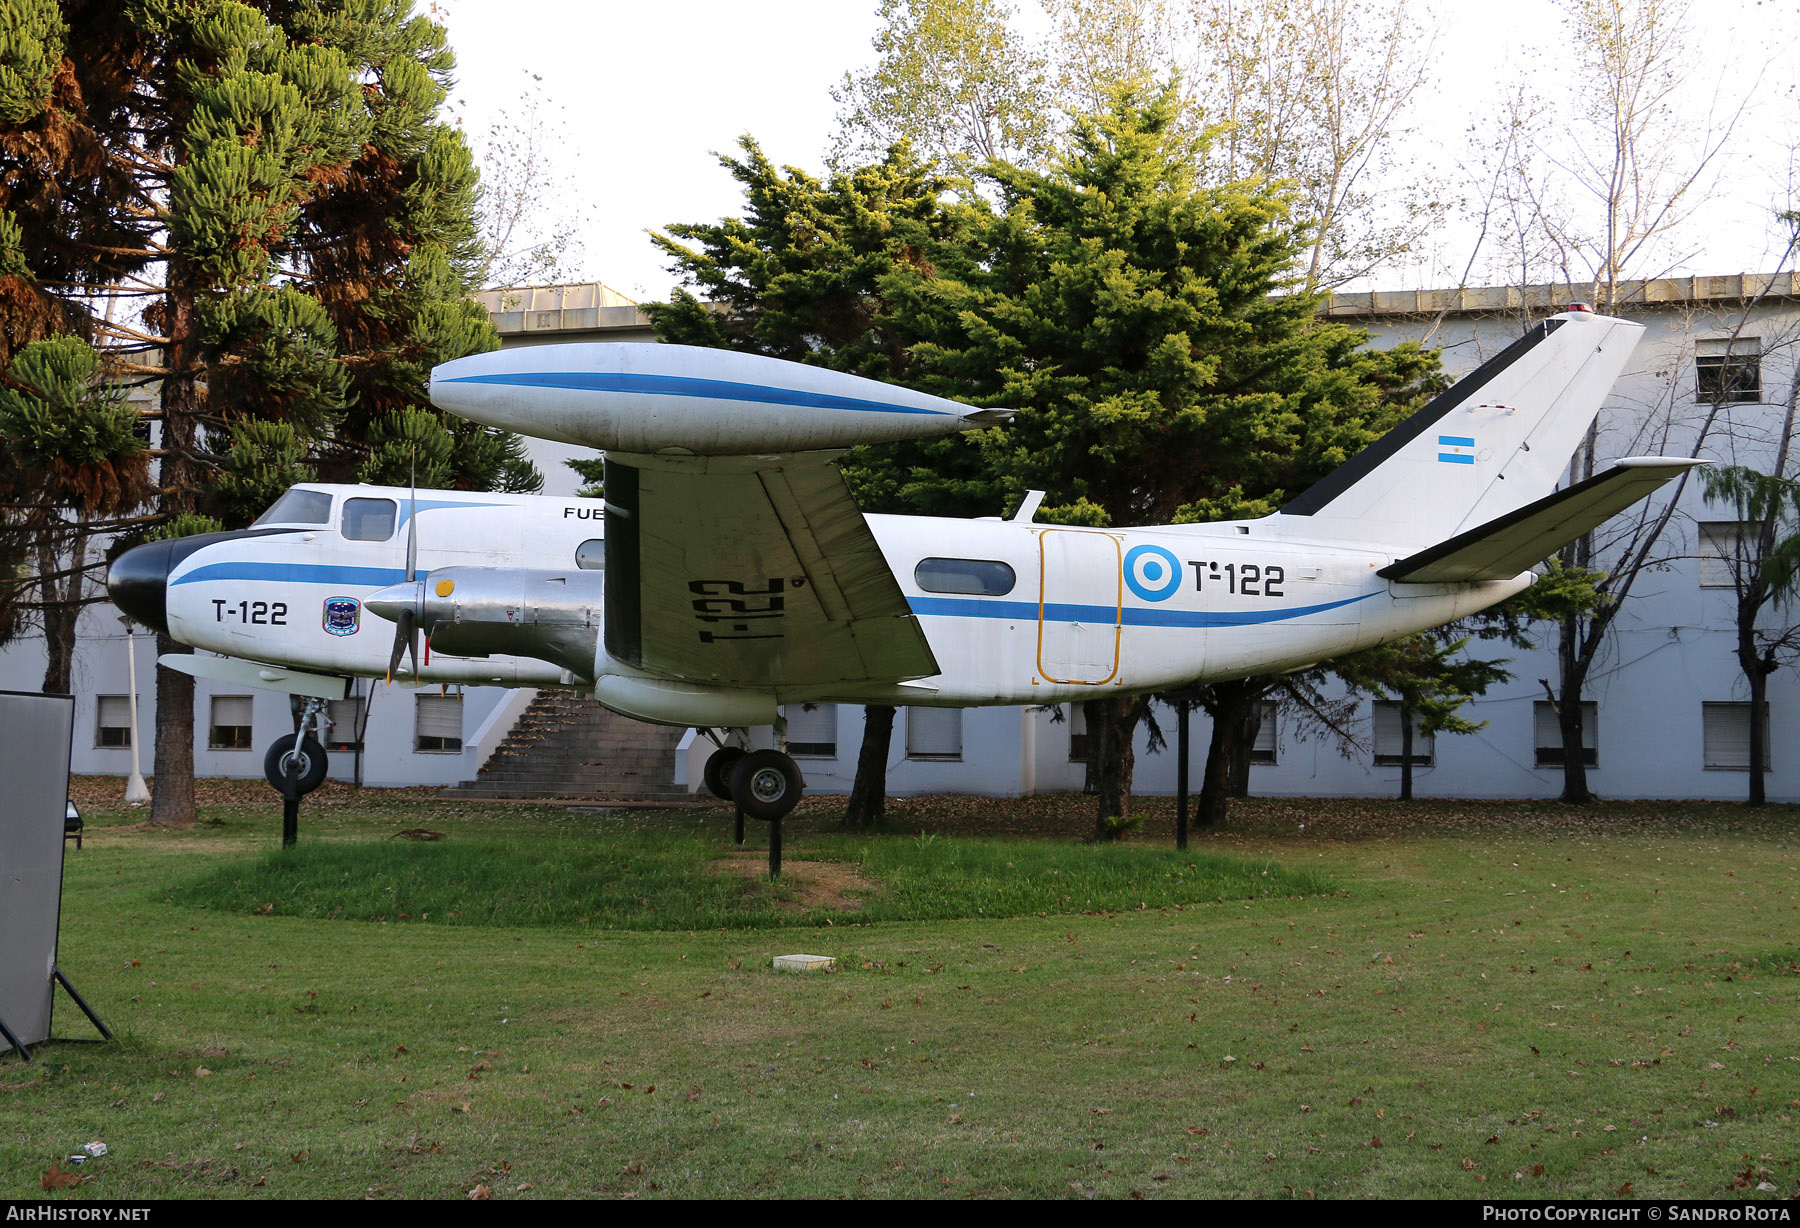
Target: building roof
1733,288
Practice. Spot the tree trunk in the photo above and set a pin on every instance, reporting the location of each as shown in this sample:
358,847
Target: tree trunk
1406,753
1568,714
1112,724
172,799
1759,734
868,796
1242,745
62,606
172,795
1227,705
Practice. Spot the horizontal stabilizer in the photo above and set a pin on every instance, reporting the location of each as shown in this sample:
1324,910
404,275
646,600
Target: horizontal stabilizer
1502,548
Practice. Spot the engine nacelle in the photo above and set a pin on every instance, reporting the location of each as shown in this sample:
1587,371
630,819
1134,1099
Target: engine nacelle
552,616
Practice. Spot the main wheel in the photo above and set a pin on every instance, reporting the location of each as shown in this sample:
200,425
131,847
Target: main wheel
766,784
312,763
718,770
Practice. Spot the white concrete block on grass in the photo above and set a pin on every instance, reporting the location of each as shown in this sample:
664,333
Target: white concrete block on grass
804,963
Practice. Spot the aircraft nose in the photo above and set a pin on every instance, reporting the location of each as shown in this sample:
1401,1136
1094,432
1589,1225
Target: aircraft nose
138,582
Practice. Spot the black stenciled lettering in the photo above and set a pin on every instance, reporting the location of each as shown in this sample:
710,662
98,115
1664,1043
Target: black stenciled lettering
720,605
1271,577
1249,578
218,609
714,588
1199,572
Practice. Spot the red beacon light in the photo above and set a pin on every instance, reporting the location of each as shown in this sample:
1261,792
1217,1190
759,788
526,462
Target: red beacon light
1587,307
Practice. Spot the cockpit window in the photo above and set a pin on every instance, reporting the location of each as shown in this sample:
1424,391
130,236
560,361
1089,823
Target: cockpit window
981,577
369,520
590,555
299,507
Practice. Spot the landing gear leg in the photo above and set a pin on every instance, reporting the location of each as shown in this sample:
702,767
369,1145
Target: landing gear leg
295,765
766,784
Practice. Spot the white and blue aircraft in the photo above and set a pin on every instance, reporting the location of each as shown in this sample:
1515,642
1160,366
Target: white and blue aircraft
728,571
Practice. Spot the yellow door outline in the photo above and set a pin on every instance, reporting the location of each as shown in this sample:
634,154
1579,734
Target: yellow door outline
1118,604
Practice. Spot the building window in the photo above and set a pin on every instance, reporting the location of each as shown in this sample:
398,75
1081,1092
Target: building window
1725,547
112,722
1387,737
1547,733
1728,372
1725,732
934,733
1263,750
437,724
346,731
811,730
977,577
369,520
230,729
1078,737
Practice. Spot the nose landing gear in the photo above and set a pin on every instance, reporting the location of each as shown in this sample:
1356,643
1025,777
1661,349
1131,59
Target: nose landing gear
295,765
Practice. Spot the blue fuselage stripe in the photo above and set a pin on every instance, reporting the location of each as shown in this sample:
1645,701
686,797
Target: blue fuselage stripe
1134,616
683,386
336,575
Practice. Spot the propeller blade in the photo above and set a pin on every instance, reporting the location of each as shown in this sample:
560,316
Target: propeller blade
403,628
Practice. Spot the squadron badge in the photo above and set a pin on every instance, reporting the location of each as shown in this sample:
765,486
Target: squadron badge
343,615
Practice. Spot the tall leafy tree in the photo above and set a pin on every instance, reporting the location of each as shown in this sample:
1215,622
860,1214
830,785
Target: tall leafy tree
252,207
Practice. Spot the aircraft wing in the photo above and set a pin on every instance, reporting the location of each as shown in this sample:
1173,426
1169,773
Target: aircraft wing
750,570
1508,545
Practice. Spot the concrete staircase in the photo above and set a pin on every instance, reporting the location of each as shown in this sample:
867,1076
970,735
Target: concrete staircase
565,745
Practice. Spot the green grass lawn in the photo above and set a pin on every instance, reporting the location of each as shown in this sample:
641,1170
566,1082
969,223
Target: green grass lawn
1433,1000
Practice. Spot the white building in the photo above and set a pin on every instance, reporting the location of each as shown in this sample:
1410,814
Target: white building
1669,716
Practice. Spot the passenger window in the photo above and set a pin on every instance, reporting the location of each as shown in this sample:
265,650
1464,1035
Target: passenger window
590,555
369,520
299,507
980,577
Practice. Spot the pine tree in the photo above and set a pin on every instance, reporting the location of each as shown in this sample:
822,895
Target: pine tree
252,207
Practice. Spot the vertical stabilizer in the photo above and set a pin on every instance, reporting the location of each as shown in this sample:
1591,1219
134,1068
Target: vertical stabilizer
1497,440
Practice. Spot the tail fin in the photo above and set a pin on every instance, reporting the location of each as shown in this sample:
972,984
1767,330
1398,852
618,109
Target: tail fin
1496,441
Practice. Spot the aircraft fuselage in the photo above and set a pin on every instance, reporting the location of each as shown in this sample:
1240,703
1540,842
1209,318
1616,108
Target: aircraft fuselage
1014,612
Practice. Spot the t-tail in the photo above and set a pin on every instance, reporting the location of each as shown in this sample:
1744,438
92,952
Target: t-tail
1466,488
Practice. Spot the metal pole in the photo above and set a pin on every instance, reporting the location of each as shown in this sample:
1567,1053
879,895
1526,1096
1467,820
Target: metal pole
774,848
1181,775
136,792
81,1002
738,825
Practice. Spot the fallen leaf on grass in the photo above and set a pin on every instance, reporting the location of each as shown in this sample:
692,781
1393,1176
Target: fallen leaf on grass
480,1193
60,1178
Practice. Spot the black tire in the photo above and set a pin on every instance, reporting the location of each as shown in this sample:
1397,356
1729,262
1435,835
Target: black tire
312,764
766,784
718,770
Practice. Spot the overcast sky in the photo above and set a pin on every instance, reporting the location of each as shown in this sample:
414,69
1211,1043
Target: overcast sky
648,93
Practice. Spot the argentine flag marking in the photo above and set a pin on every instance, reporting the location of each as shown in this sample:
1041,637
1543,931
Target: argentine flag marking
1457,450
